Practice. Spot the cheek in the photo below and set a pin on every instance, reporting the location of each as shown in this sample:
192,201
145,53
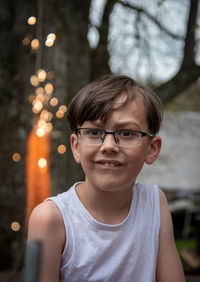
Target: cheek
86,155
137,159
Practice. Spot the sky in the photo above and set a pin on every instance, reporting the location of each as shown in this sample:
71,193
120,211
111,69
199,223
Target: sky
159,62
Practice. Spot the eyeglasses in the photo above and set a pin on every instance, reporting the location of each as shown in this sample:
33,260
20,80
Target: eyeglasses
123,138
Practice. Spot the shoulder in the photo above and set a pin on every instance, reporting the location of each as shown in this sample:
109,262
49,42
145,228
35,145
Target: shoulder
46,222
46,212
166,220
149,193
166,228
169,266
163,199
47,227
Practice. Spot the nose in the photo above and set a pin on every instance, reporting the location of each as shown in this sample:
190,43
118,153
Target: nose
109,143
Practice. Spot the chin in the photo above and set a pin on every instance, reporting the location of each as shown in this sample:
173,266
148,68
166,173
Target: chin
113,186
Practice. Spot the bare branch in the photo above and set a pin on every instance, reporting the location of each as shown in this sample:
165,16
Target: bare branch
189,49
188,71
152,18
104,28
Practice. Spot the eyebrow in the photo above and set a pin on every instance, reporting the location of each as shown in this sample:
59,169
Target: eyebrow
135,125
118,124
95,123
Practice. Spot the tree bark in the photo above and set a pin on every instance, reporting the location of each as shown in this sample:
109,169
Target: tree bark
181,81
189,71
16,63
72,68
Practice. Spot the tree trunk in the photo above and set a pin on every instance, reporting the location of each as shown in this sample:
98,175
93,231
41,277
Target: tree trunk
72,68
189,71
16,63
70,59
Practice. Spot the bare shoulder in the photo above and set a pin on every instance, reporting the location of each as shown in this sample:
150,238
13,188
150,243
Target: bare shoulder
46,226
46,211
46,221
169,266
163,199
164,210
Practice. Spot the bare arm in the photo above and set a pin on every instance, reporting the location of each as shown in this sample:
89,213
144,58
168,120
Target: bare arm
46,225
169,267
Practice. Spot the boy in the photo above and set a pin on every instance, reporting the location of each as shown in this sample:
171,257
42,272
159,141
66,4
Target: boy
108,228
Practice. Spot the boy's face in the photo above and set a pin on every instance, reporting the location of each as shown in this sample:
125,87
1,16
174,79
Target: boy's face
126,163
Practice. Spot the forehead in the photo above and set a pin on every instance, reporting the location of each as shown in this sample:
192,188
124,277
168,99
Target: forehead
122,114
132,107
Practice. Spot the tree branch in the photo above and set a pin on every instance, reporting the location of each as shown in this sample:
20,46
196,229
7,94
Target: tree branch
189,49
189,71
152,18
182,80
100,55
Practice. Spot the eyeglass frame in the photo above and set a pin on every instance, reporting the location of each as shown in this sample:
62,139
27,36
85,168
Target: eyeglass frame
143,134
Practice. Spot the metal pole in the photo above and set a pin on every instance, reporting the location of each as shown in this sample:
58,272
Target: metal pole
33,261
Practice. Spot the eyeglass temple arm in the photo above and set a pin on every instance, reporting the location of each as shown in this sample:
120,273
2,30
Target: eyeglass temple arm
147,134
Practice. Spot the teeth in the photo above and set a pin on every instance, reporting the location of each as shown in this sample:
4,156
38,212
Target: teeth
109,165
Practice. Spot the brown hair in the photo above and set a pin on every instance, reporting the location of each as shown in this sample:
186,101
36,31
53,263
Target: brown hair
95,101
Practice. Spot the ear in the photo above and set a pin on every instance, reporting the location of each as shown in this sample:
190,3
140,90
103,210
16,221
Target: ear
153,150
75,147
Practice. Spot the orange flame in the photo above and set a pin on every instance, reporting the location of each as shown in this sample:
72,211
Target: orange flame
37,170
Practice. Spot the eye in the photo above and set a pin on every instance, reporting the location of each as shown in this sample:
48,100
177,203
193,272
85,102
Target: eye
94,132
125,133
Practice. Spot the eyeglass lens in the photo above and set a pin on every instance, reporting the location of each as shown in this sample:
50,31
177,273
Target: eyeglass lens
124,138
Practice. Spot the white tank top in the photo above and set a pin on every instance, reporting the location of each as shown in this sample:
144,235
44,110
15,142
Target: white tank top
126,252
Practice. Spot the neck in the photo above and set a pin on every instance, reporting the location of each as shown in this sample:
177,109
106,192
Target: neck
105,207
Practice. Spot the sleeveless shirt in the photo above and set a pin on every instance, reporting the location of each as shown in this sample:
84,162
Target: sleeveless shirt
126,252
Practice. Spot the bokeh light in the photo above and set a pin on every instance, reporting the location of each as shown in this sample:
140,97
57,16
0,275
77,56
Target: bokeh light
26,41
59,114
51,36
41,75
40,98
42,123
46,115
39,90
61,149
50,40
48,88
49,127
63,109
15,226
42,163
35,44
32,20
54,102
16,157
37,106
40,132
34,80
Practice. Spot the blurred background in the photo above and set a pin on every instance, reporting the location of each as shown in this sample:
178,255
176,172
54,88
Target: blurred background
49,50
